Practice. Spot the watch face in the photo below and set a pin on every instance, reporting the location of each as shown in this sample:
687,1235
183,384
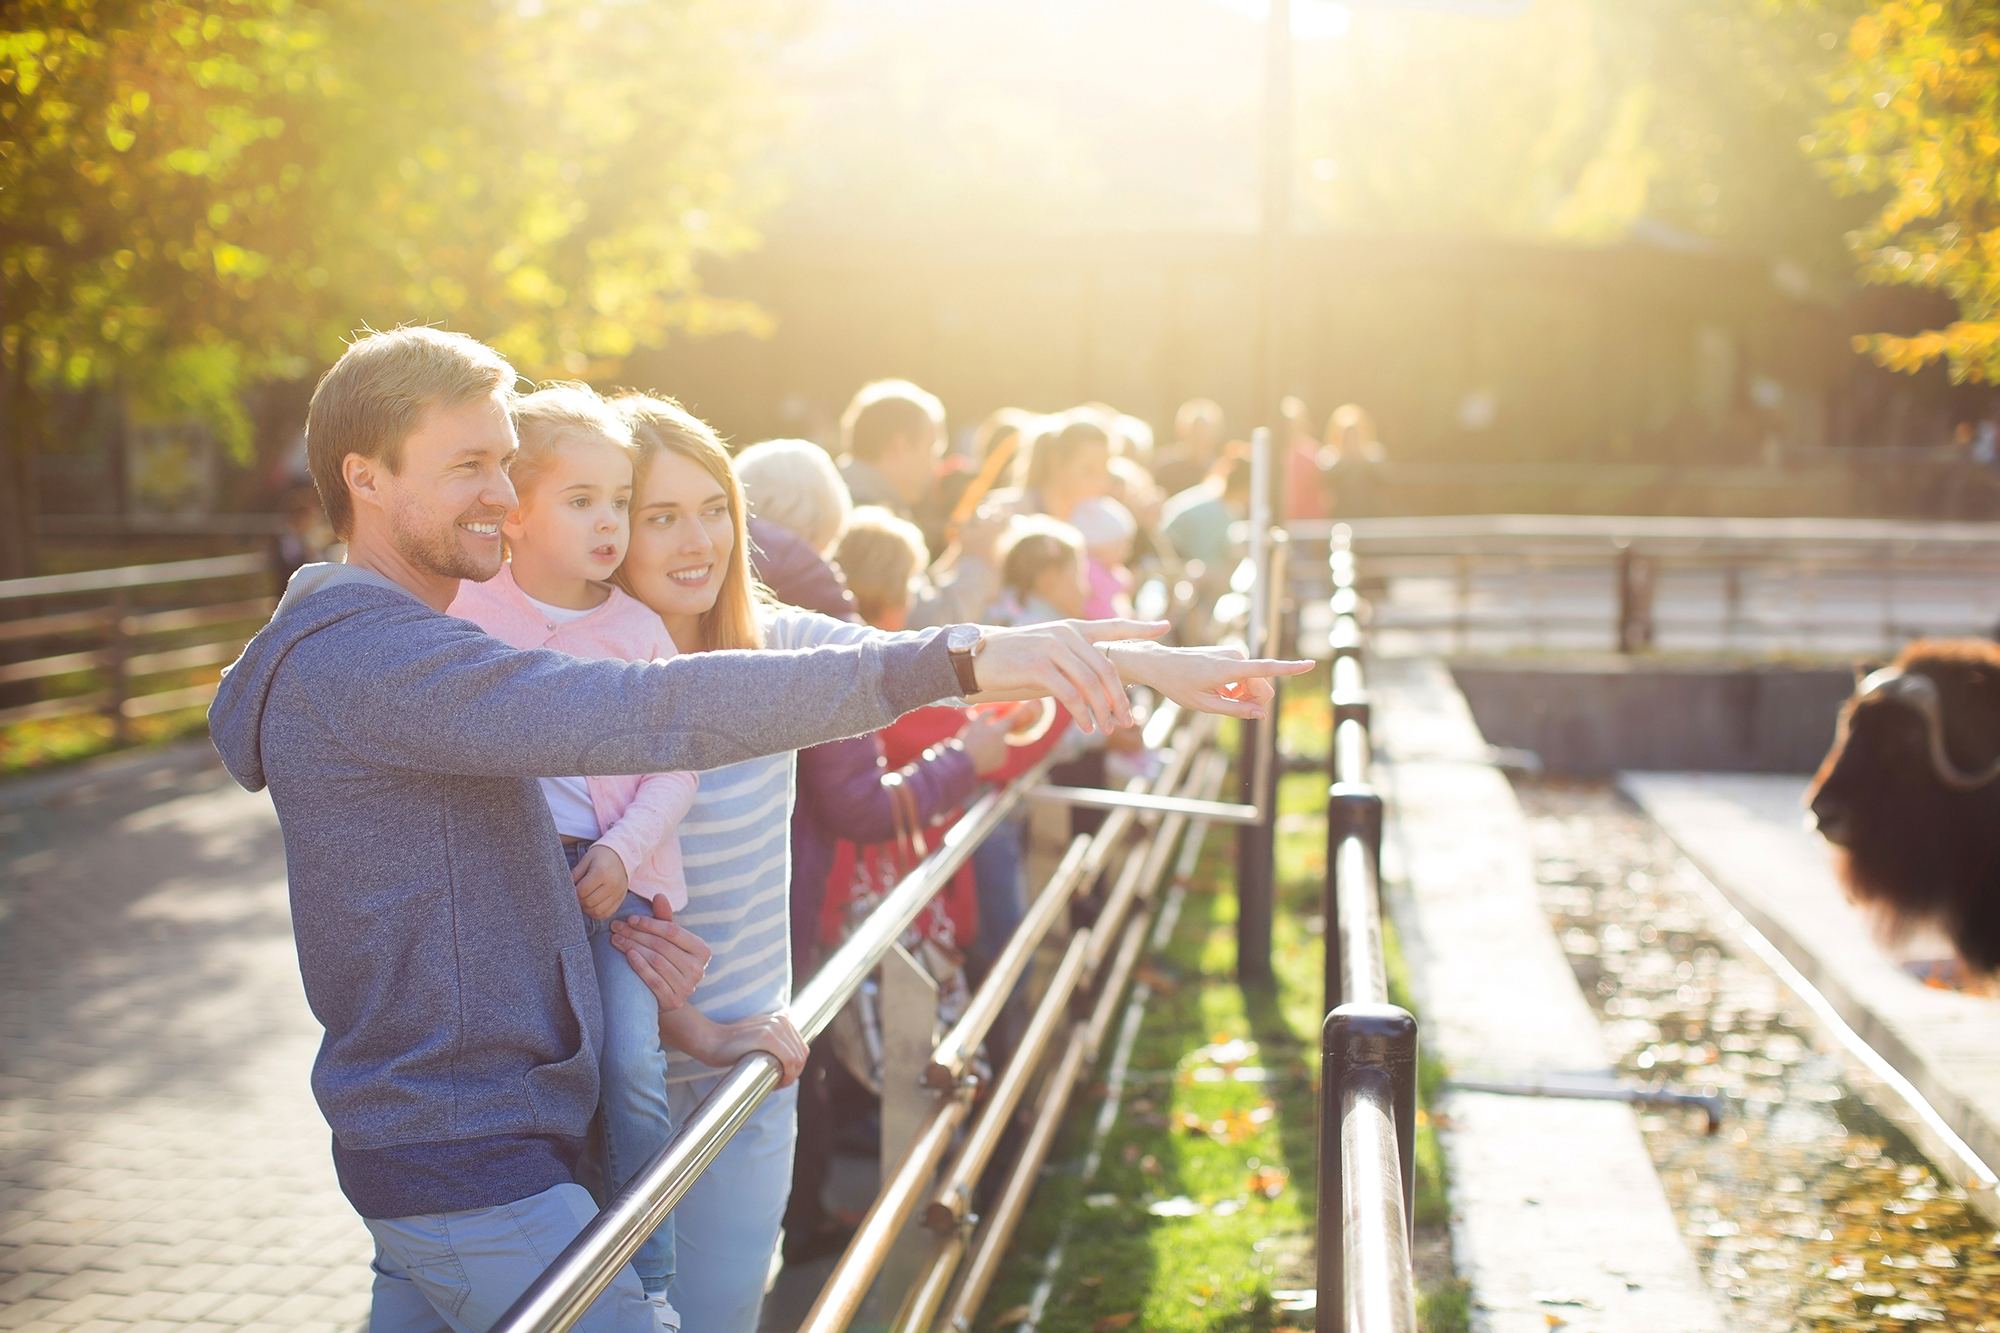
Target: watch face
962,638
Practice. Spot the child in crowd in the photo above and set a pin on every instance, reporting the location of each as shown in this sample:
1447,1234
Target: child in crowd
573,480
881,556
1042,573
1108,532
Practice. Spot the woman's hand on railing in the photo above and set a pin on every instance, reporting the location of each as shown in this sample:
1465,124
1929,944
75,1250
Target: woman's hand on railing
1209,680
720,1045
669,958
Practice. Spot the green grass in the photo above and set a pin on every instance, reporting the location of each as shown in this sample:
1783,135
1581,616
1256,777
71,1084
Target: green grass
1127,1267
50,743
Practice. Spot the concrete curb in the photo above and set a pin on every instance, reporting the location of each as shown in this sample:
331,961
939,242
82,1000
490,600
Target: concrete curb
1557,1211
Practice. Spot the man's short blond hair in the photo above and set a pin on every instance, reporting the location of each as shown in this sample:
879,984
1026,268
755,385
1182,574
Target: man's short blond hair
370,402
881,556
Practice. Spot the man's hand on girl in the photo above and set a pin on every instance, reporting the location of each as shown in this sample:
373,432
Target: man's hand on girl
601,881
669,958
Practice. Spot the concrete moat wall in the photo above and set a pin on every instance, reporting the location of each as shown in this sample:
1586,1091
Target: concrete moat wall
1606,716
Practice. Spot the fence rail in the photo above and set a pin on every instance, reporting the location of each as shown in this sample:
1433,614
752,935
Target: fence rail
1691,583
128,637
1368,1047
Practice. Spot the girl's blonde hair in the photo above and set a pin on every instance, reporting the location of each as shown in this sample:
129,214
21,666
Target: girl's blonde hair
555,415
881,556
660,425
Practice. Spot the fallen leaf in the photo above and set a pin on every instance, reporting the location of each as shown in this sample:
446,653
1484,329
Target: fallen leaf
1150,1164
1013,1314
1129,1154
1092,1281
1268,1181
1159,982
1178,1206
1112,1322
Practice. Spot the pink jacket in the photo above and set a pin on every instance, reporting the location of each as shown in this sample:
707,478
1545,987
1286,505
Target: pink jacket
639,815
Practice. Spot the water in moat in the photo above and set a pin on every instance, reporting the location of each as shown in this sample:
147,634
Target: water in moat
1808,1210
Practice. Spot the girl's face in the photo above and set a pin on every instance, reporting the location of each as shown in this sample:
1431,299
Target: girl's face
682,537
1062,586
572,524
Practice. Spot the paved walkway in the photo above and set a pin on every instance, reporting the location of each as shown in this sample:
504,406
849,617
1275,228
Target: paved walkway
161,1161
1746,834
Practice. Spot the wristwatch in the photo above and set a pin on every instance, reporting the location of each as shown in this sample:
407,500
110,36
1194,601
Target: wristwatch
964,643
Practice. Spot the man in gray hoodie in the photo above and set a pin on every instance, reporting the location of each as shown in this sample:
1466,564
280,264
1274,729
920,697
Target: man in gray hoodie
438,932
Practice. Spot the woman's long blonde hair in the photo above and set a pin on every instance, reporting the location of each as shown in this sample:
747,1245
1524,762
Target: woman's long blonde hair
661,425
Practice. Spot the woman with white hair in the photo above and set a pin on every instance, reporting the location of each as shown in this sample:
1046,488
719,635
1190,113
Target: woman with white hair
799,507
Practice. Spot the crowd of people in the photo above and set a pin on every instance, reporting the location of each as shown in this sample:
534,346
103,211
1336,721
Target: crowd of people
599,736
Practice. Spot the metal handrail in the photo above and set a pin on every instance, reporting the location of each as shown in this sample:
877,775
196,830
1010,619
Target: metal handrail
559,1296
1368,1048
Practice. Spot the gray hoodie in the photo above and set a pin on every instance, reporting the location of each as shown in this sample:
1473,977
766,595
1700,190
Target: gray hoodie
438,932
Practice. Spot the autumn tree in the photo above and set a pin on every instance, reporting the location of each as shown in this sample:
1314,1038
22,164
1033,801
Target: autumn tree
1916,122
195,196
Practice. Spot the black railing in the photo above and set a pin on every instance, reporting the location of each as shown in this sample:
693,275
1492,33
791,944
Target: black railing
1368,1047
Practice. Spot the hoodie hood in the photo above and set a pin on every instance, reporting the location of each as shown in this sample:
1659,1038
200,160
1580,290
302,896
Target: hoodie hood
236,717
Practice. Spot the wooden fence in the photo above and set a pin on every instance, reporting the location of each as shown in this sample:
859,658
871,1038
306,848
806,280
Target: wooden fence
124,634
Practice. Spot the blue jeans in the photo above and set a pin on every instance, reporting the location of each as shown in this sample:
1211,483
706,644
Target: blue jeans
458,1272
1001,885
632,1081
731,1217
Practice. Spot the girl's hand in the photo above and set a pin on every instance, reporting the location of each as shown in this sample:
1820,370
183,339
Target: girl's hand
601,881
720,1045
985,737
668,958
1210,680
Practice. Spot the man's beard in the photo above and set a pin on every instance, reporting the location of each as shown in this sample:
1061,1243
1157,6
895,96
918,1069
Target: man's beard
438,550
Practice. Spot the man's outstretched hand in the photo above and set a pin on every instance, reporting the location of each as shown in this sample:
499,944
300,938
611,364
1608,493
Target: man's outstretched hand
1086,664
1209,680
1062,658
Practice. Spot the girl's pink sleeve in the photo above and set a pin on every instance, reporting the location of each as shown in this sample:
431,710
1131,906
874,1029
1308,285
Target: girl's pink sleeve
655,815
651,823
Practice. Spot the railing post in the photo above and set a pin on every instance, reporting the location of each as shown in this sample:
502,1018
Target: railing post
1353,809
1636,576
1256,844
1359,1037
1256,847
117,648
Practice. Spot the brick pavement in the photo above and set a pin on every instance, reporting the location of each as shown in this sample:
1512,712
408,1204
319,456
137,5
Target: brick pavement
161,1161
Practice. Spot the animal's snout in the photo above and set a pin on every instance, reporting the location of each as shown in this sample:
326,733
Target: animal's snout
1832,816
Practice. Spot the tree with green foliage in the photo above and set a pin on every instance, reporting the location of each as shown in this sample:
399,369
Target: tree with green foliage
1916,124
196,196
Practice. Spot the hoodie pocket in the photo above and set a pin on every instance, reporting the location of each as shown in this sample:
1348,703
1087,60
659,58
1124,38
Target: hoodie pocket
564,1092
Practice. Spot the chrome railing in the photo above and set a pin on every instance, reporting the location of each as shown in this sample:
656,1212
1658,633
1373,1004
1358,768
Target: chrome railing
1368,1047
559,1297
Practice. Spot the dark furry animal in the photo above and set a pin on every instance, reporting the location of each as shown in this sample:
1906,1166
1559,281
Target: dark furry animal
1910,794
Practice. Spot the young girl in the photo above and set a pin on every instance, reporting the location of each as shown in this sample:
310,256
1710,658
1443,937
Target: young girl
573,480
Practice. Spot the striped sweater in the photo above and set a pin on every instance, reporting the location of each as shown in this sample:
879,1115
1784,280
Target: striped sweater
737,854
